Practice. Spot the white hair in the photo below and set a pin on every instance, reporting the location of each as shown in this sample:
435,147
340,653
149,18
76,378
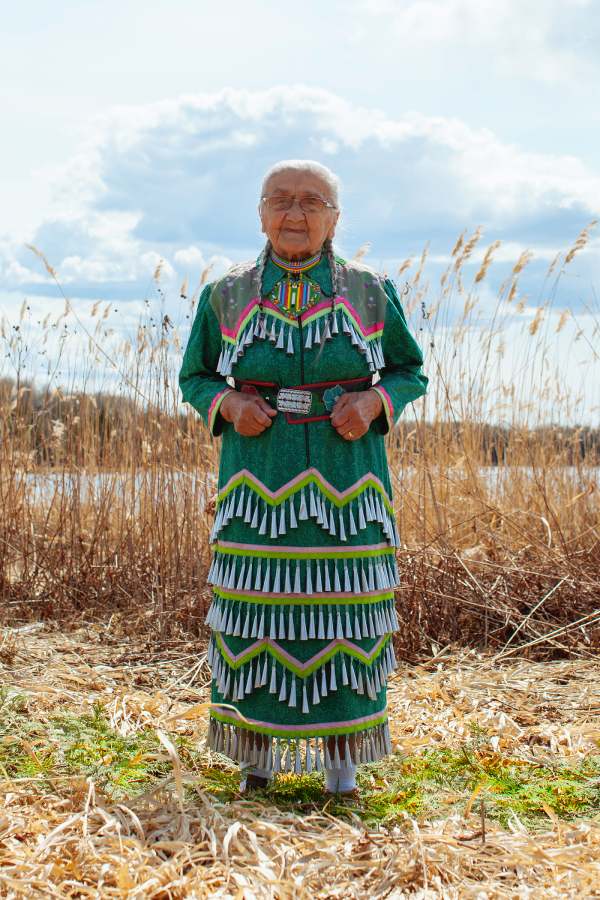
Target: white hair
306,165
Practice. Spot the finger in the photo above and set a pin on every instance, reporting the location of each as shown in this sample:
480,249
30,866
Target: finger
251,430
344,433
338,411
346,418
351,423
266,407
260,418
342,406
260,411
341,401
261,428
257,410
251,419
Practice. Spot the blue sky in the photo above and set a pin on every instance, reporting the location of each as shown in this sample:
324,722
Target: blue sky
135,132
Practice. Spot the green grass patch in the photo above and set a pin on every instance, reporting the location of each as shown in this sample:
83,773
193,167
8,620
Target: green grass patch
86,745
440,781
433,783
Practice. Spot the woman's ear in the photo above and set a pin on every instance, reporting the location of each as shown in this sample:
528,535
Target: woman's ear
331,231
262,224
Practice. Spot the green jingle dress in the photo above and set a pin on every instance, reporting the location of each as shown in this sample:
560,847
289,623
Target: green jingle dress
303,543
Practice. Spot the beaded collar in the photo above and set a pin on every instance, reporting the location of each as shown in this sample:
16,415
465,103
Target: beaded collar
299,265
295,293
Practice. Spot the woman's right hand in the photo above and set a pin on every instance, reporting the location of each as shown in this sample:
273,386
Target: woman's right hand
250,414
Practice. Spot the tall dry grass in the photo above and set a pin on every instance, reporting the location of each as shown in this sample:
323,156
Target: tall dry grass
106,481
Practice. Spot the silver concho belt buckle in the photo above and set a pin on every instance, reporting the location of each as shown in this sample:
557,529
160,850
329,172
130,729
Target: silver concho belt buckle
290,400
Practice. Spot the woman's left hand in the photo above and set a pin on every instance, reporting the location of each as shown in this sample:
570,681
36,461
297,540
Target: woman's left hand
353,413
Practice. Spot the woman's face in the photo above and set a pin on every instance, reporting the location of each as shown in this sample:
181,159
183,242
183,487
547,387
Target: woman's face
295,233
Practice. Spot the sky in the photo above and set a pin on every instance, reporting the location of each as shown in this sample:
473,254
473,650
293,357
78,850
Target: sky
136,132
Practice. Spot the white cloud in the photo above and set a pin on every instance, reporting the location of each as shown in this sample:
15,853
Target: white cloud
549,40
16,274
191,256
179,180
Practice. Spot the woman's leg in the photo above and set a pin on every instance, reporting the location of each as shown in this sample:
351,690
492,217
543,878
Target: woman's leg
340,779
255,776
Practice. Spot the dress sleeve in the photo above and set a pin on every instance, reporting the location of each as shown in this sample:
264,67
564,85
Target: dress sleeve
402,379
201,385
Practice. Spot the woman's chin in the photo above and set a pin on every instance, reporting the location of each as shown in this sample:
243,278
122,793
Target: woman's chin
293,248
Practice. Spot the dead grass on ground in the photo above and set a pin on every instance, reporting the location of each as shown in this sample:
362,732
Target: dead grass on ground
445,816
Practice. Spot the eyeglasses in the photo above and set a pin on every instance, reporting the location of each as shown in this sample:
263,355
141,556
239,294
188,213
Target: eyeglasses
279,203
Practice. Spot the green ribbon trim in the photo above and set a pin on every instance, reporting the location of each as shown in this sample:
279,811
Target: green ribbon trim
251,483
301,671
312,317
253,312
351,314
274,553
286,600
315,730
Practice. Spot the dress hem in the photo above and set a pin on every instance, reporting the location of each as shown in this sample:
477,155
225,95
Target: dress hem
299,752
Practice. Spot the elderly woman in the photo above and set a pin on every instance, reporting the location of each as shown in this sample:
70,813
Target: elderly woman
302,361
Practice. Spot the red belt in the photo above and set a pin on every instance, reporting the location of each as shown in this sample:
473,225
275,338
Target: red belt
269,389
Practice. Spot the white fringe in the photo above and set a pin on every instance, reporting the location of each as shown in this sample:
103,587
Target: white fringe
244,503
300,755
363,678
321,620
363,575
265,326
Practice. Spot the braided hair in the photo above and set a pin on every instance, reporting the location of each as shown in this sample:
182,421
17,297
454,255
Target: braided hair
333,268
328,247
260,271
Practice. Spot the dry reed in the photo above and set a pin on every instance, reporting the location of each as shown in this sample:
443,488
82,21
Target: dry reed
106,490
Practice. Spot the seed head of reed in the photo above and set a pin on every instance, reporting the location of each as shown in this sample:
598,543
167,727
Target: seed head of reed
470,304
522,261
581,241
487,259
553,264
39,253
458,244
537,321
205,273
562,320
467,248
362,251
419,271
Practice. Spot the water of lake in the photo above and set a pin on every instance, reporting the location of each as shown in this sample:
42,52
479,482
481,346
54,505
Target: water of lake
42,486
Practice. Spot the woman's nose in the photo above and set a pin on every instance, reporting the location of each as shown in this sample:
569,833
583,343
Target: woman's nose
295,209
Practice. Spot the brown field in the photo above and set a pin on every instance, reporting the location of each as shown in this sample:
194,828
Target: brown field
492,792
